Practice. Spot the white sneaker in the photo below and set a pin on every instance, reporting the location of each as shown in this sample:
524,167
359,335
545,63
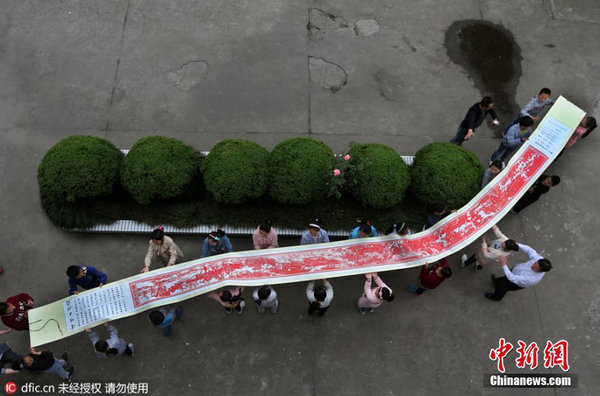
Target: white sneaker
130,345
463,258
242,305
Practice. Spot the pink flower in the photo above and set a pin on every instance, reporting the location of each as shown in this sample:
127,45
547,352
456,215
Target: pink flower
336,172
346,157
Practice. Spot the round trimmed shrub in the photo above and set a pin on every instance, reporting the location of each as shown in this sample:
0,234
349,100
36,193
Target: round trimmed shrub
158,167
79,167
446,173
236,170
377,175
298,170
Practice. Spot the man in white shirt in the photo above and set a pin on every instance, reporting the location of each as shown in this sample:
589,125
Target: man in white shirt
522,275
319,297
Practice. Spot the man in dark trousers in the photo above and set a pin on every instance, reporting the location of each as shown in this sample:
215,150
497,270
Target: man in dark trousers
8,357
86,277
522,275
473,120
541,186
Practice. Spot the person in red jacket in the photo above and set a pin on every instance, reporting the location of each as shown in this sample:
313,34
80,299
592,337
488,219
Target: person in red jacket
431,276
14,312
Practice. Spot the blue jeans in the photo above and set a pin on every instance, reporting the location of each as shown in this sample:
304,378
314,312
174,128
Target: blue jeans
58,369
502,152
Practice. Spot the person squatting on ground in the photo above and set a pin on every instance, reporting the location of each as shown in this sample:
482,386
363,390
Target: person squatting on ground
265,297
374,297
514,137
522,275
431,276
112,346
400,228
265,236
364,230
473,119
85,276
161,248
216,243
540,187
45,362
319,297
230,299
14,312
314,234
486,254
163,317
534,107
490,173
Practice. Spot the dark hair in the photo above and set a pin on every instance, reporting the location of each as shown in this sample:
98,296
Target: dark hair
436,207
216,235
386,294
101,346
544,265
591,125
112,352
320,293
264,292
266,226
366,228
555,180
158,234
316,222
545,91
73,271
446,272
497,164
156,317
526,121
225,295
3,308
486,101
510,244
397,228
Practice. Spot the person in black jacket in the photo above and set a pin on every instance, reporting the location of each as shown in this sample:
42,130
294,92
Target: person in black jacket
473,119
541,186
45,362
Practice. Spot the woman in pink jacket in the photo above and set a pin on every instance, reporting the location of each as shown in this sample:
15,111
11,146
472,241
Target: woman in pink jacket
372,298
265,236
230,299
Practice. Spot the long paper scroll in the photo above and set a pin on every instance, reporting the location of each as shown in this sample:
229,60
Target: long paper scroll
301,263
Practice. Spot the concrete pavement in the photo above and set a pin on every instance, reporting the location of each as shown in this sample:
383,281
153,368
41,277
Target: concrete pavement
202,72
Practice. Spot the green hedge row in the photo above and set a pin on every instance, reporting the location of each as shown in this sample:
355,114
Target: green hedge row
298,171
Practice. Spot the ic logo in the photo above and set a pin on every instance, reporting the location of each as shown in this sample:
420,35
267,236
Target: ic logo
10,388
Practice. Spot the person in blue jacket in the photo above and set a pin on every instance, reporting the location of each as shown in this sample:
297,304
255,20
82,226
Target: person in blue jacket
86,277
216,243
363,231
514,137
314,234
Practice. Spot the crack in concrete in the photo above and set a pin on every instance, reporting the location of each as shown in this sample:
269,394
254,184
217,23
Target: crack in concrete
189,74
328,75
116,76
321,22
549,8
